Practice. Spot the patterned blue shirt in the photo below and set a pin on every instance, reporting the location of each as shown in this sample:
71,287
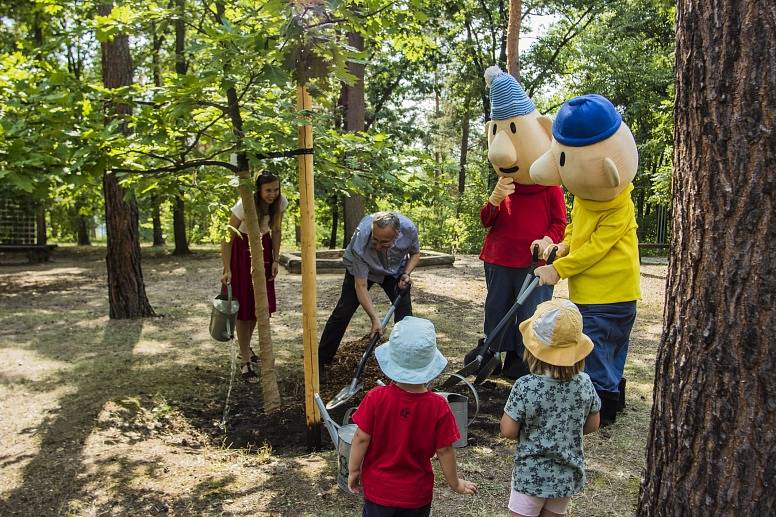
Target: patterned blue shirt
549,460
364,261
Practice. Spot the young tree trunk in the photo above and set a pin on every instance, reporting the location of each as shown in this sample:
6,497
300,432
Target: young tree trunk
513,38
126,289
179,226
354,122
712,441
269,381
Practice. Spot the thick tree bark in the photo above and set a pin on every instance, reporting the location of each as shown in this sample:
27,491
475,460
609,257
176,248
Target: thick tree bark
354,122
179,226
465,122
126,289
712,442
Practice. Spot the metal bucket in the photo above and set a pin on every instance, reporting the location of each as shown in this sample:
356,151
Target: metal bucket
459,405
223,316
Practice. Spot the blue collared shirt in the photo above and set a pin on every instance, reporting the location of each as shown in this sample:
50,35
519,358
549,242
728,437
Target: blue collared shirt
364,261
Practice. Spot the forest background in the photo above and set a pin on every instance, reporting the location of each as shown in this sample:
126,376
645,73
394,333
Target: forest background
399,106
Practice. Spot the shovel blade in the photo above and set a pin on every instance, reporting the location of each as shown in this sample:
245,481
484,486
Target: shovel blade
468,369
344,395
487,368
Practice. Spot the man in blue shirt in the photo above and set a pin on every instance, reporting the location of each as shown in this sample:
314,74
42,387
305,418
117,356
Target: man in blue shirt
384,250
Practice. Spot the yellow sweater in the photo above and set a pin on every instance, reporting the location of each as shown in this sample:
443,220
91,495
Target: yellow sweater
603,261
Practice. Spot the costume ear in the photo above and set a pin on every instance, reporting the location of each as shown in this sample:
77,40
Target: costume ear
544,171
546,122
611,173
487,127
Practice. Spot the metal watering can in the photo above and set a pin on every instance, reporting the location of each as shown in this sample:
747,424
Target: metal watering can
223,316
459,405
342,437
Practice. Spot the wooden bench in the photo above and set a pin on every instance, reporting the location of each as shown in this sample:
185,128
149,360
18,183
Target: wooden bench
36,253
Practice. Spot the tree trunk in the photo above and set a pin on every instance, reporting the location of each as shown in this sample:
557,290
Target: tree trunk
126,289
334,204
40,226
269,381
179,226
712,441
82,230
354,122
464,145
513,38
156,218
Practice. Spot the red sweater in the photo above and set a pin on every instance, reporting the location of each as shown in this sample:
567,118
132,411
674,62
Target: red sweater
532,212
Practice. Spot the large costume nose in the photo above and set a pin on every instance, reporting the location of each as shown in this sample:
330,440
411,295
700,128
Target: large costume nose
501,152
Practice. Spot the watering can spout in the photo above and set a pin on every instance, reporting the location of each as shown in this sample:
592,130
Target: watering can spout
331,425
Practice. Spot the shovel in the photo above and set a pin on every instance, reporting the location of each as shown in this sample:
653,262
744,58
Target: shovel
487,360
355,385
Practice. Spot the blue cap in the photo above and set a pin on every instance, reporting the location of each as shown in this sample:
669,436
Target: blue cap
585,120
507,97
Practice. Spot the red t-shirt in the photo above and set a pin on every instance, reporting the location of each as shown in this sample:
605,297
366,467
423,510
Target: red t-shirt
532,212
406,430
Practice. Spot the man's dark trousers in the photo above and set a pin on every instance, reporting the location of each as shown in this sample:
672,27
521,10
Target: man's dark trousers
347,305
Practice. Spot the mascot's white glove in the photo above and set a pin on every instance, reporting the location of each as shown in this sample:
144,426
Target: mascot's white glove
563,250
548,275
544,243
503,188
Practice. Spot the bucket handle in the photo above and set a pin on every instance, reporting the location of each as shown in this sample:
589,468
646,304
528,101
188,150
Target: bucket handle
348,414
474,392
229,304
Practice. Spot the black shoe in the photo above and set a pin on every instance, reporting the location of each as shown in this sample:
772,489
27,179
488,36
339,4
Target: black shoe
514,366
609,403
621,401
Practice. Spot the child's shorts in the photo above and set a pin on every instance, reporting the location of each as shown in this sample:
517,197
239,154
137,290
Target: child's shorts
532,506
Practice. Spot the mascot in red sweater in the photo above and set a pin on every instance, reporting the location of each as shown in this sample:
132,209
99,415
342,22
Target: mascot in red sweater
518,214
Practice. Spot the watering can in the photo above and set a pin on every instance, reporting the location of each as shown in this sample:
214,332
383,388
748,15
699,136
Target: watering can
459,405
342,436
223,315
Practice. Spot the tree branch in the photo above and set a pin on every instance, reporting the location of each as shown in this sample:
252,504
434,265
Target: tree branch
178,167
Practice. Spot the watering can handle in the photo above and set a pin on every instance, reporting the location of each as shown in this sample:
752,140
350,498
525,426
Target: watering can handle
474,392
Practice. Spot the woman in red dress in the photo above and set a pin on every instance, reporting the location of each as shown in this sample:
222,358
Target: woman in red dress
270,205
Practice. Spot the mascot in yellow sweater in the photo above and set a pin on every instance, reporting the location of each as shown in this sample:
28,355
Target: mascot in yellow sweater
593,154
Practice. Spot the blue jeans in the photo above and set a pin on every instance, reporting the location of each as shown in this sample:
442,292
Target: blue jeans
503,287
609,326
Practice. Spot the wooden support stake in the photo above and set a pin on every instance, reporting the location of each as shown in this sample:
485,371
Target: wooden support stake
309,293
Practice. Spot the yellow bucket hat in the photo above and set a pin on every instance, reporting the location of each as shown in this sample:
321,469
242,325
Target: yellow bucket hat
554,334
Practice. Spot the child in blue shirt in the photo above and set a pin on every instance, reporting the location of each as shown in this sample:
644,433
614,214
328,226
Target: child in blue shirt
549,410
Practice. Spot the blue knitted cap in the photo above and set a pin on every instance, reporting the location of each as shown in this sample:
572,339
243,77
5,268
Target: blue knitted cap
507,97
585,120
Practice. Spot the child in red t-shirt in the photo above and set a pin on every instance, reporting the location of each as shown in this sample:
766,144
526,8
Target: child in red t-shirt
402,426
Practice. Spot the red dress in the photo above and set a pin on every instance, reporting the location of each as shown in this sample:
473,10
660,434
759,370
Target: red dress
242,284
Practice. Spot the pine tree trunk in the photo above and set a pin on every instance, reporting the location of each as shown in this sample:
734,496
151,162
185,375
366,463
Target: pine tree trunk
354,122
179,226
465,122
126,289
712,441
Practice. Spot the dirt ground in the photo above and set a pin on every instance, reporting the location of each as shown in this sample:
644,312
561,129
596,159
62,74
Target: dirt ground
101,417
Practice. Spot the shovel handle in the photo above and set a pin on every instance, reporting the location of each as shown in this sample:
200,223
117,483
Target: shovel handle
376,337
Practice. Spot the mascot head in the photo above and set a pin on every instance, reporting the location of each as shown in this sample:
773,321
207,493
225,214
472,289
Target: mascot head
517,134
593,153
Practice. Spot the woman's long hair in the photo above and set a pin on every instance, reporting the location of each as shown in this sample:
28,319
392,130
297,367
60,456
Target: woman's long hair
261,206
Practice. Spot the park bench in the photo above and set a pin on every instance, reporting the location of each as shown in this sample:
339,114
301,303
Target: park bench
36,253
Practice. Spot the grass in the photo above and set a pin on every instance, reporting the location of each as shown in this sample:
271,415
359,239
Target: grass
122,417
